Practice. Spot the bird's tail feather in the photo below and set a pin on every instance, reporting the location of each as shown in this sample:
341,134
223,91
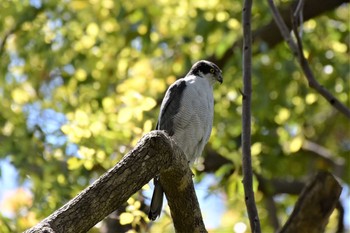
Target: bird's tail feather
157,200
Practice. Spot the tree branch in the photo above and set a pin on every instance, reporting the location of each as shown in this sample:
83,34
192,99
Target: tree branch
272,212
271,187
152,155
297,50
180,195
337,163
269,35
246,119
314,206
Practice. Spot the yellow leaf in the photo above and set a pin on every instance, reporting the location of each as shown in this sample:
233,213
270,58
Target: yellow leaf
65,129
108,104
87,42
131,201
80,75
82,118
339,47
296,144
282,115
92,29
8,128
233,23
142,29
100,156
23,95
147,126
131,231
222,16
126,218
86,152
61,179
78,4
137,204
74,163
110,25
109,4
88,164
311,98
256,148
310,25
148,103
124,115
97,127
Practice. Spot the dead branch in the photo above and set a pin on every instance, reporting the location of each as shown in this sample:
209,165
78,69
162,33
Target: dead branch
314,206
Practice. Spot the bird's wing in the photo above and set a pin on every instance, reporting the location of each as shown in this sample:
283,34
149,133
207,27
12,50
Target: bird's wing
170,106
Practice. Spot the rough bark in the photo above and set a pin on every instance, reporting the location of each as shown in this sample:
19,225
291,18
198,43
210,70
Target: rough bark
182,194
314,206
151,156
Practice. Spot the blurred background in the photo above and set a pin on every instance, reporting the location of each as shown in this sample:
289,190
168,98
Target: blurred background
82,81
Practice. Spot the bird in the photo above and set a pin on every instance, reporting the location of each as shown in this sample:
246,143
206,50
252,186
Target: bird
186,115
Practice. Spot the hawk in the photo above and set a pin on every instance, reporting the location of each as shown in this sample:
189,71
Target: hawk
186,114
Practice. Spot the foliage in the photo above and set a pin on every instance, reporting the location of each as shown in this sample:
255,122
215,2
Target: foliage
81,82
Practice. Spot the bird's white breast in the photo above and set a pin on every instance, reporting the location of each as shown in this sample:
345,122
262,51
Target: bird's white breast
193,123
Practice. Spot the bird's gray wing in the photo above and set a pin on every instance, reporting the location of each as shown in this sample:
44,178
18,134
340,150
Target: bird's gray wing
170,106
168,110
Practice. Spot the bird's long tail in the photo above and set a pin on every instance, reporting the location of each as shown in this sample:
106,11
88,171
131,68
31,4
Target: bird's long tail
157,200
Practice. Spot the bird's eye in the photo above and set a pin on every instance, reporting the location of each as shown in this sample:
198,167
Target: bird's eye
212,71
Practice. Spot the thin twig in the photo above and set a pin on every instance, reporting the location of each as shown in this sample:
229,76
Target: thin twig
298,14
299,8
297,50
246,120
272,212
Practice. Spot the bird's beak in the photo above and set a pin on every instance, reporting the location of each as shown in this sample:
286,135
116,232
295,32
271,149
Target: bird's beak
219,78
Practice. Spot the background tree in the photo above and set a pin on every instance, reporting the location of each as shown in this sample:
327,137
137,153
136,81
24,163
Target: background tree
81,82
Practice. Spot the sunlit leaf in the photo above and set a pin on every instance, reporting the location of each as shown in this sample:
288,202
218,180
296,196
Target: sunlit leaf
74,163
282,116
126,218
148,103
92,29
256,148
295,144
124,115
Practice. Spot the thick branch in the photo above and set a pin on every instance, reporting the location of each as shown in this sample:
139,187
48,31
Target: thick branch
151,155
271,187
246,119
314,206
297,50
179,190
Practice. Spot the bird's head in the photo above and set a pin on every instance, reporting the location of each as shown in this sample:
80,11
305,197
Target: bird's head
207,69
